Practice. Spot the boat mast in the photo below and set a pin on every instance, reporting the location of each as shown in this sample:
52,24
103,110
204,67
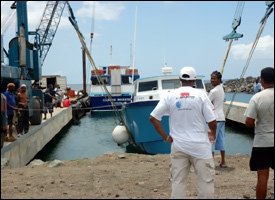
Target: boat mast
134,47
92,27
111,52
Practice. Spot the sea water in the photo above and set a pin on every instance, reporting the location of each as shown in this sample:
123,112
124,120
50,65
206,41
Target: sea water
92,137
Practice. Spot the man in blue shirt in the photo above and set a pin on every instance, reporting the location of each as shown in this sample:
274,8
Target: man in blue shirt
257,87
11,104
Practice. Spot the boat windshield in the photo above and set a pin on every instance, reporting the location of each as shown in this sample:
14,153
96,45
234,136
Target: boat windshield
148,86
165,85
199,84
170,84
106,80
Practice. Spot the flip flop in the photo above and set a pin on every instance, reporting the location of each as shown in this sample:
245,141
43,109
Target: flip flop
223,166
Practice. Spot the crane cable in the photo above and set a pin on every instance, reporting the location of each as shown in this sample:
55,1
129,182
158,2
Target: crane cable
261,28
7,21
84,46
236,22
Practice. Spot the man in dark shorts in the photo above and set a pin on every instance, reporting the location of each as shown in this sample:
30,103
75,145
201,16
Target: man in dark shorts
11,104
260,114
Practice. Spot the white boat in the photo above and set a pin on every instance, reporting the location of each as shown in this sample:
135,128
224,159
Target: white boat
147,94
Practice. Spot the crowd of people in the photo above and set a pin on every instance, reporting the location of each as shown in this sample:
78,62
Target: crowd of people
15,108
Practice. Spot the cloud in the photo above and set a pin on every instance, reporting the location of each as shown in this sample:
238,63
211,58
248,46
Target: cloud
103,10
264,49
35,12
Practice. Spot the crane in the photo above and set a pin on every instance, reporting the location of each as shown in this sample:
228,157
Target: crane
48,26
24,57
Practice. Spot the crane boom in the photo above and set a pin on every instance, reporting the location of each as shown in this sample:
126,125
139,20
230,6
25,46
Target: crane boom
48,26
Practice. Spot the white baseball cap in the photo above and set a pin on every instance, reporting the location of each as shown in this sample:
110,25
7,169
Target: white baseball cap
188,73
23,85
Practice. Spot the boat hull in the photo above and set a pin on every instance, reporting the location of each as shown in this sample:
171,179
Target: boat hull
144,135
103,103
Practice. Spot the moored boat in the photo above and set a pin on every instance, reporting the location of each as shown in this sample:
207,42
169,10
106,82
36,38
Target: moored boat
148,92
111,87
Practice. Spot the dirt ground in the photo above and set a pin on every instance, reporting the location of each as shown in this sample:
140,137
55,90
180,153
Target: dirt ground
115,175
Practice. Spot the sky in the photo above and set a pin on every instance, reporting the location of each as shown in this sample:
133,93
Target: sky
151,34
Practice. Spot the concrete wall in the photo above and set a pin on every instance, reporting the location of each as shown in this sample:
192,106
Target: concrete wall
236,111
24,149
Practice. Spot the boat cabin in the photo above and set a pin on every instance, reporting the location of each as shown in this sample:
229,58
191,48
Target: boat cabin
153,88
117,79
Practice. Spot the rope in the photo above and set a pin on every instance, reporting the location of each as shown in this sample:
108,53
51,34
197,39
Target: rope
100,80
226,55
7,21
261,28
23,109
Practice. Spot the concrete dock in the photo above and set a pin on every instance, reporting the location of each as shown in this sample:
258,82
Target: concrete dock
23,149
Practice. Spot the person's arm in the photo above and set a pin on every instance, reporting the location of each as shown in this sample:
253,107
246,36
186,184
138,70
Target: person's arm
156,123
213,127
250,122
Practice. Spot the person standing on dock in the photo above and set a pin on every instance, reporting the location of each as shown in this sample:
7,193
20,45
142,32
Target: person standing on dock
49,96
216,96
190,116
11,102
260,114
59,96
23,118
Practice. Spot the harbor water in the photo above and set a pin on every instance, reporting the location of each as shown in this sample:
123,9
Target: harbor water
92,137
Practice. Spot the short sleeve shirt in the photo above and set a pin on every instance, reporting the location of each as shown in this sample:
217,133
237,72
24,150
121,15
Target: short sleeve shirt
216,96
11,101
189,111
261,108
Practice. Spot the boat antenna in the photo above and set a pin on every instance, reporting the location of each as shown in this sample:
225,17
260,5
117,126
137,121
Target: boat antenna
92,32
135,35
134,50
131,55
134,47
92,27
111,53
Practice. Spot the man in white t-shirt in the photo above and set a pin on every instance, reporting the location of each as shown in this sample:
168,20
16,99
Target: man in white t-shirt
216,96
190,116
260,114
